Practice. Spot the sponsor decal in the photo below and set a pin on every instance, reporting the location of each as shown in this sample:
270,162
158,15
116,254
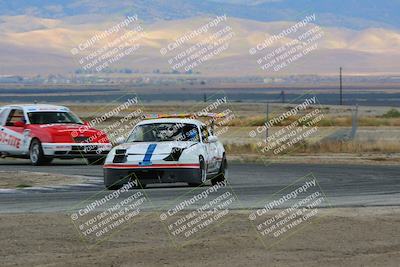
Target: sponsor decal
149,153
10,140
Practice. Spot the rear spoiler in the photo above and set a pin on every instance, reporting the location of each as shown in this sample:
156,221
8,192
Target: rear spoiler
185,115
213,116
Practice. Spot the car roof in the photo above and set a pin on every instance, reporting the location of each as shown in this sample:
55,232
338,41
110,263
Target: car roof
172,120
39,107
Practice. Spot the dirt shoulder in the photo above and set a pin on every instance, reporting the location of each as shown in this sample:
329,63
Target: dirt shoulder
340,237
21,179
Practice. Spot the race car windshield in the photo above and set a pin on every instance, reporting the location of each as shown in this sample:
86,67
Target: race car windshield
53,117
161,132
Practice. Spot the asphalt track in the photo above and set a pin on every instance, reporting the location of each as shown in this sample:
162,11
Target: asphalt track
252,184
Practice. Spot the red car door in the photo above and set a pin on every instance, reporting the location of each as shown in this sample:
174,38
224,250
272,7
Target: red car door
11,137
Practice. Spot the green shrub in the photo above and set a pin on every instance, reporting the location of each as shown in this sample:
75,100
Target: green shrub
393,113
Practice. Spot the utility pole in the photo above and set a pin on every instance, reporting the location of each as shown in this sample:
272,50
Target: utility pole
341,87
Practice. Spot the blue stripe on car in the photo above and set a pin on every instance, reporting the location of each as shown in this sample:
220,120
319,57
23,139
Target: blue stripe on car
149,152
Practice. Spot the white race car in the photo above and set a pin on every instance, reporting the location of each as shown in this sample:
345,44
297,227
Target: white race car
167,150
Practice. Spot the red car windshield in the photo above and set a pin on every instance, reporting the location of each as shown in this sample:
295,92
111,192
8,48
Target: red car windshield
53,117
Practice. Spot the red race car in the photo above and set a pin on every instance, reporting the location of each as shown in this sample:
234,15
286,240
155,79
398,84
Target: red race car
43,132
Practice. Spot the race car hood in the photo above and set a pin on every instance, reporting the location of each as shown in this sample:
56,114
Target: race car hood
67,128
160,148
71,132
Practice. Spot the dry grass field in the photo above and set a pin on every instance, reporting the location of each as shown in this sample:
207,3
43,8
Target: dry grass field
378,128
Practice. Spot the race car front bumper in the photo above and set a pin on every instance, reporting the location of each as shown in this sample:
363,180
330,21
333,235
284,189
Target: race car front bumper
157,173
76,150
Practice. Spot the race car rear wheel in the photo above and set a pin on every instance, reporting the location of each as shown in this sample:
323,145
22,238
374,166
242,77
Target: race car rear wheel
202,173
36,154
222,174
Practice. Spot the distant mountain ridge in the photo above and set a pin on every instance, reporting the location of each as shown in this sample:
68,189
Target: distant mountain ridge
363,36
46,44
353,14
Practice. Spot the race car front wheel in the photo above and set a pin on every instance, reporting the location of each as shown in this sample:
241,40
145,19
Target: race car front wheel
112,181
223,172
36,154
202,173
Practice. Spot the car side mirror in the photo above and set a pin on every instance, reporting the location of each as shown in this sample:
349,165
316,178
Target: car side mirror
19,124
86,123
212,139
